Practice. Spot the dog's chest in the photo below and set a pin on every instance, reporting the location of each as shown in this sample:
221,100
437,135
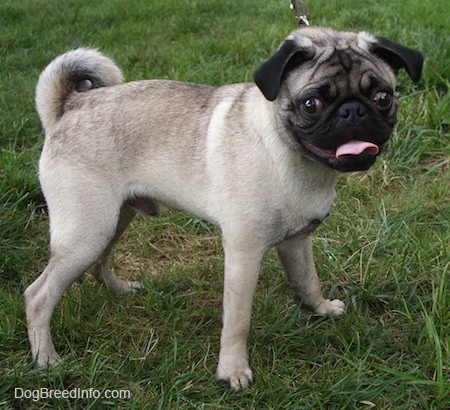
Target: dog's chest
305,205
304,220
309,228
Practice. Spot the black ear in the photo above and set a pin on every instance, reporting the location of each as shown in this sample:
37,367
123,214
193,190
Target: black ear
269,76
399,56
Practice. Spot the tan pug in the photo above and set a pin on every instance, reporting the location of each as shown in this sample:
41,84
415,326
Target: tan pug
260,160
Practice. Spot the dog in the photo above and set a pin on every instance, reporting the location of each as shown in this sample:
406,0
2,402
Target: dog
260,160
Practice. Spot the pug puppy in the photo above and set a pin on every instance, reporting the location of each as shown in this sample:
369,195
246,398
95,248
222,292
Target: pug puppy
259,160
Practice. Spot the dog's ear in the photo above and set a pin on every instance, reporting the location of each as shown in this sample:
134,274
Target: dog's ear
398,56
270,75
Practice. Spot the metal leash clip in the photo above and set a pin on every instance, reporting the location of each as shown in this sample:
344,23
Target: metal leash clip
301,12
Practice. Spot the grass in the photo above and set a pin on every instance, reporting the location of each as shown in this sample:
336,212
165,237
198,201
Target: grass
385,249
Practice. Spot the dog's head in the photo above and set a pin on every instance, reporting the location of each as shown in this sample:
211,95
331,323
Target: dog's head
334,93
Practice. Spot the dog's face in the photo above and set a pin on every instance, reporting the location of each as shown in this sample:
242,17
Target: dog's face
335,93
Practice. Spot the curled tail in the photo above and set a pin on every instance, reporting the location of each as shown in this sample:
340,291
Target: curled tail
75,71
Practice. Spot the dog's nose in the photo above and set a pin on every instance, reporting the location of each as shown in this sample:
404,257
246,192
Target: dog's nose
353,112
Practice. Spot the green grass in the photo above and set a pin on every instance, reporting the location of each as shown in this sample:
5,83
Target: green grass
385,249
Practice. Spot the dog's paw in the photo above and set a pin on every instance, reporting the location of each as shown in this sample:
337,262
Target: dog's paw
49,359
237,378
134,286
122,286
330,307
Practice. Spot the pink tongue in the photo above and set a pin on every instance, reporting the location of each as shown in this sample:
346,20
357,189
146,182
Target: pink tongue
355,147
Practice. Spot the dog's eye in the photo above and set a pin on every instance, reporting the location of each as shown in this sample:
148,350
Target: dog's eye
313,106
382,99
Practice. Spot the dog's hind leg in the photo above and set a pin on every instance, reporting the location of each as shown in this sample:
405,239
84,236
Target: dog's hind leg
101,270
80,232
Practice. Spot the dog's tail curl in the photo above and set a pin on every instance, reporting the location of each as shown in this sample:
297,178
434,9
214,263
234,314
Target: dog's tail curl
78,70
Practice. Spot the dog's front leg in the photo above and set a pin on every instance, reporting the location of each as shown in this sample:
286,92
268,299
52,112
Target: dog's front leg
296,255
241,275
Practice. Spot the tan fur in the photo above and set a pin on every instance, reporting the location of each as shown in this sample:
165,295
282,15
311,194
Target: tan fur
222,153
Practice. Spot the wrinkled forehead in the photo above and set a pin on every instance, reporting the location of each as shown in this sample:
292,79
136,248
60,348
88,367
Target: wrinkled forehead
323,37
348,70
358,67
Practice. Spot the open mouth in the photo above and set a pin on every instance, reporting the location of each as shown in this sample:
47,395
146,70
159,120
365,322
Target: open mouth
354,155
352,147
